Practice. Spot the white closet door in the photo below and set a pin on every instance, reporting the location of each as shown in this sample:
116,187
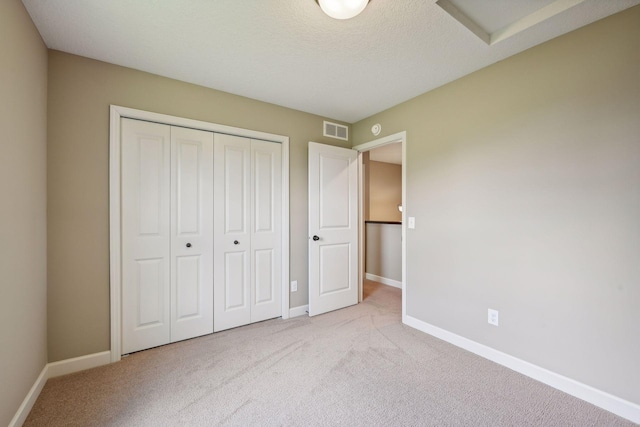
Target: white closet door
266,233
191,233
232,258
145,235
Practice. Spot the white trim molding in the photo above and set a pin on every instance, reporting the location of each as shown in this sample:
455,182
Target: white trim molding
302,310
383,280
599,398
115,244
115,267
77,364
27,404
56,369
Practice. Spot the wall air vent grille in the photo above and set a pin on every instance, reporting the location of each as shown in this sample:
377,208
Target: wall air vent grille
334,130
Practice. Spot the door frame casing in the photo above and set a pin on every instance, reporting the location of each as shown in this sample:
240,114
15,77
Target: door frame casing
400,137
115,254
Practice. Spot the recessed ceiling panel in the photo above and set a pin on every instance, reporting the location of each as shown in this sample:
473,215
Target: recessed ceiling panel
493,15
496,20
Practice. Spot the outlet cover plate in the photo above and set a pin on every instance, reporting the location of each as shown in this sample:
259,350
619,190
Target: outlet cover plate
493,317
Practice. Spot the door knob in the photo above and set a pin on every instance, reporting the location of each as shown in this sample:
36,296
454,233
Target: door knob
188,245
235,242
316,238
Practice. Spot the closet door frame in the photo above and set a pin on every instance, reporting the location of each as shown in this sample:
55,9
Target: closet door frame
115,232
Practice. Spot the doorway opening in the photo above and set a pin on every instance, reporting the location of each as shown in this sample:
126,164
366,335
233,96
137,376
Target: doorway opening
382,200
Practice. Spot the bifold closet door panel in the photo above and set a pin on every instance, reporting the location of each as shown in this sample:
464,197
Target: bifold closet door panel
232,258
145,174
191,233
266,230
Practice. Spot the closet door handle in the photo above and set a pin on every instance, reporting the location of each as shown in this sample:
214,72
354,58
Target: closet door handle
235,242
316,238
188,245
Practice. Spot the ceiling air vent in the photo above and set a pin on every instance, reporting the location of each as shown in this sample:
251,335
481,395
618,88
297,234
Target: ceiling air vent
334,130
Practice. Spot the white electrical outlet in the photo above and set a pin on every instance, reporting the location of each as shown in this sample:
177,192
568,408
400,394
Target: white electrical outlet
412,222
294,286
493,317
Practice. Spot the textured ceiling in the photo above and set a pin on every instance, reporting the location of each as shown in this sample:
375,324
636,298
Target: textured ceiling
287,52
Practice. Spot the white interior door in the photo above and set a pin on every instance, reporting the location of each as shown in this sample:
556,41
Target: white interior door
266,230
145,234
248,231
333,228
191,233
232,231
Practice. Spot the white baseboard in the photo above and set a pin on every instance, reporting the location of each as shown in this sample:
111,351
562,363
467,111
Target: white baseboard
383,280
606,401
302,310
77,364
28,402
57,369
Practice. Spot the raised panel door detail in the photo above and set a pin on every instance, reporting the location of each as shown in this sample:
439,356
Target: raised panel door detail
188,292
264,272
150,287
335,264
150,185
188,187
334,192
235,167
235,281
264,188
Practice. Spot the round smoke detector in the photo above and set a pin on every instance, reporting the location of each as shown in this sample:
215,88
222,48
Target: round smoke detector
376,129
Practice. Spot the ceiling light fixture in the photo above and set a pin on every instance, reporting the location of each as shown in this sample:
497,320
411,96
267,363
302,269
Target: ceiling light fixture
342,9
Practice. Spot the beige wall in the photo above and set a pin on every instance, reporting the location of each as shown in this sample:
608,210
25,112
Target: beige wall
385,191
80,91
524,179
384,250
23,264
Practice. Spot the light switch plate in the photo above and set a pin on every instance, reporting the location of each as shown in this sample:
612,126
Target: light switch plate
412,222
294,286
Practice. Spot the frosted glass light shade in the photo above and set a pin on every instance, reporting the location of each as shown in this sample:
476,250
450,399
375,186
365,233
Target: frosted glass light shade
342,9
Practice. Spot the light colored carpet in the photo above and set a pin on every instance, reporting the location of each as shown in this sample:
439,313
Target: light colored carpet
352,367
